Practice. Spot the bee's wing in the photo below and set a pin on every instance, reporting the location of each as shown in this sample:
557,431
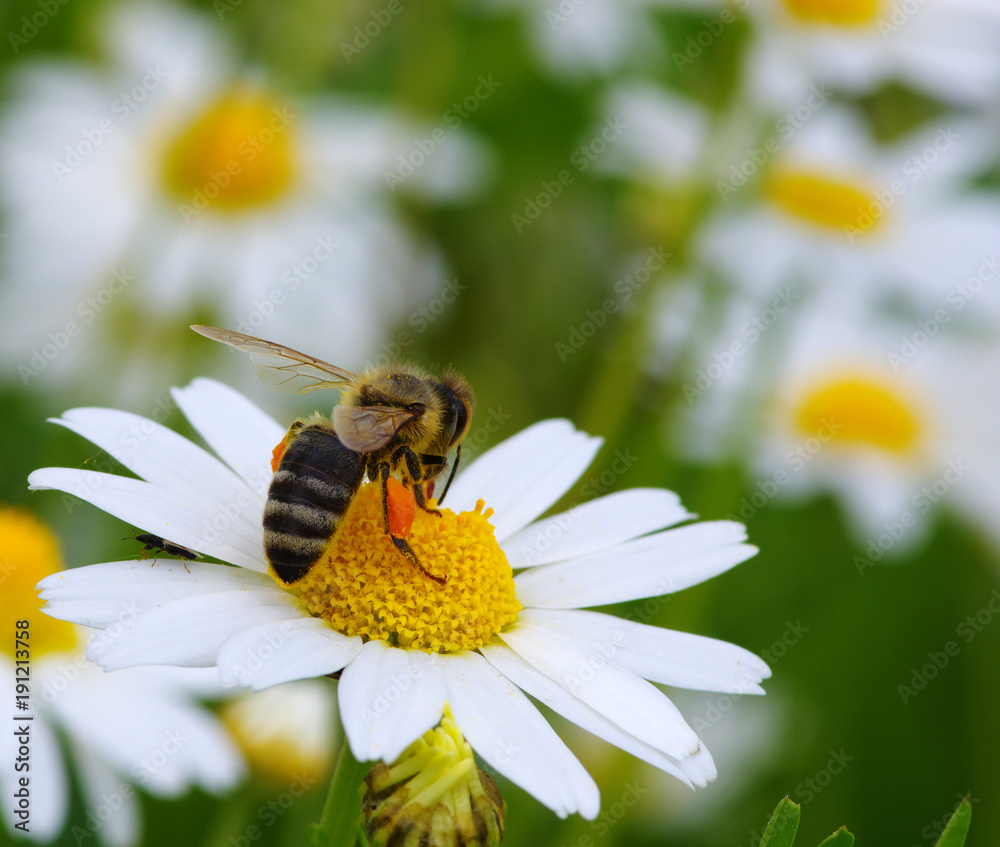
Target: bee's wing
281,367
365,429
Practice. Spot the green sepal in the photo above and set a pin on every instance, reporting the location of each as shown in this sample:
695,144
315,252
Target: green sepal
841,838
958,826
781,829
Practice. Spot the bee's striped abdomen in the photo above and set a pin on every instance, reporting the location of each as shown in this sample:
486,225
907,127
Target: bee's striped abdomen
309,494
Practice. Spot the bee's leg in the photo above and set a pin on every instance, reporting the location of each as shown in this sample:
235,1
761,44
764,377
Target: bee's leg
415,467
401,543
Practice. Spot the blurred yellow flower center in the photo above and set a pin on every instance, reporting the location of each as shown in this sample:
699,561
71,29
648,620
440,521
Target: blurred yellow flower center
363,585
279,730
857,410
835,12
28,553
236,155
830,203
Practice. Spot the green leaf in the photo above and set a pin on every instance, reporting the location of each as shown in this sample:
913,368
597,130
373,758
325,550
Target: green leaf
780,830
841,838
958,826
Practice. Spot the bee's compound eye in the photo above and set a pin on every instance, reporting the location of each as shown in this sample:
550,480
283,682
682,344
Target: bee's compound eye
460,413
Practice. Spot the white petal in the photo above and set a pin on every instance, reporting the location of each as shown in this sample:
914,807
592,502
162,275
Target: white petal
188,631
281,651
594,526
233,427
98,595
542,688
223,532
111,801
556,453
511,735
637,706
659,655
388,698
158,455
647,567
141,725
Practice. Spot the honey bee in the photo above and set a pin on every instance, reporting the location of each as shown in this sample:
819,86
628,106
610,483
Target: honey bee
393,421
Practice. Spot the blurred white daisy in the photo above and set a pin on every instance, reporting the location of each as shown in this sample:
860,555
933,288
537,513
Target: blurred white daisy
405,644
828,208
286,732
887,414
947,48
172,179
578,38
142,730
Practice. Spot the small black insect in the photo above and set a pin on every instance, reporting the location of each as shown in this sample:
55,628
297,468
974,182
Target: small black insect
161,545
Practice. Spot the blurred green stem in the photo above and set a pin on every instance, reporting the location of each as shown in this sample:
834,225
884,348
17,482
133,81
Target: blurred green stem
339,825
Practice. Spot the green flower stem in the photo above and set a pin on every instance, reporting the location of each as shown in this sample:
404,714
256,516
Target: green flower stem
339,825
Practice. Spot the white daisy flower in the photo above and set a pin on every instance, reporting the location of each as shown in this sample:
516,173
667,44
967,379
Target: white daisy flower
946,48
173,179
405,644
887,414
139,730
834,210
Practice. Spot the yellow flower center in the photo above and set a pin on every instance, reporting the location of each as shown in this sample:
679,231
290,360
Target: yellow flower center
846,13
234,156
363,585
825,202
29,552
857,410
